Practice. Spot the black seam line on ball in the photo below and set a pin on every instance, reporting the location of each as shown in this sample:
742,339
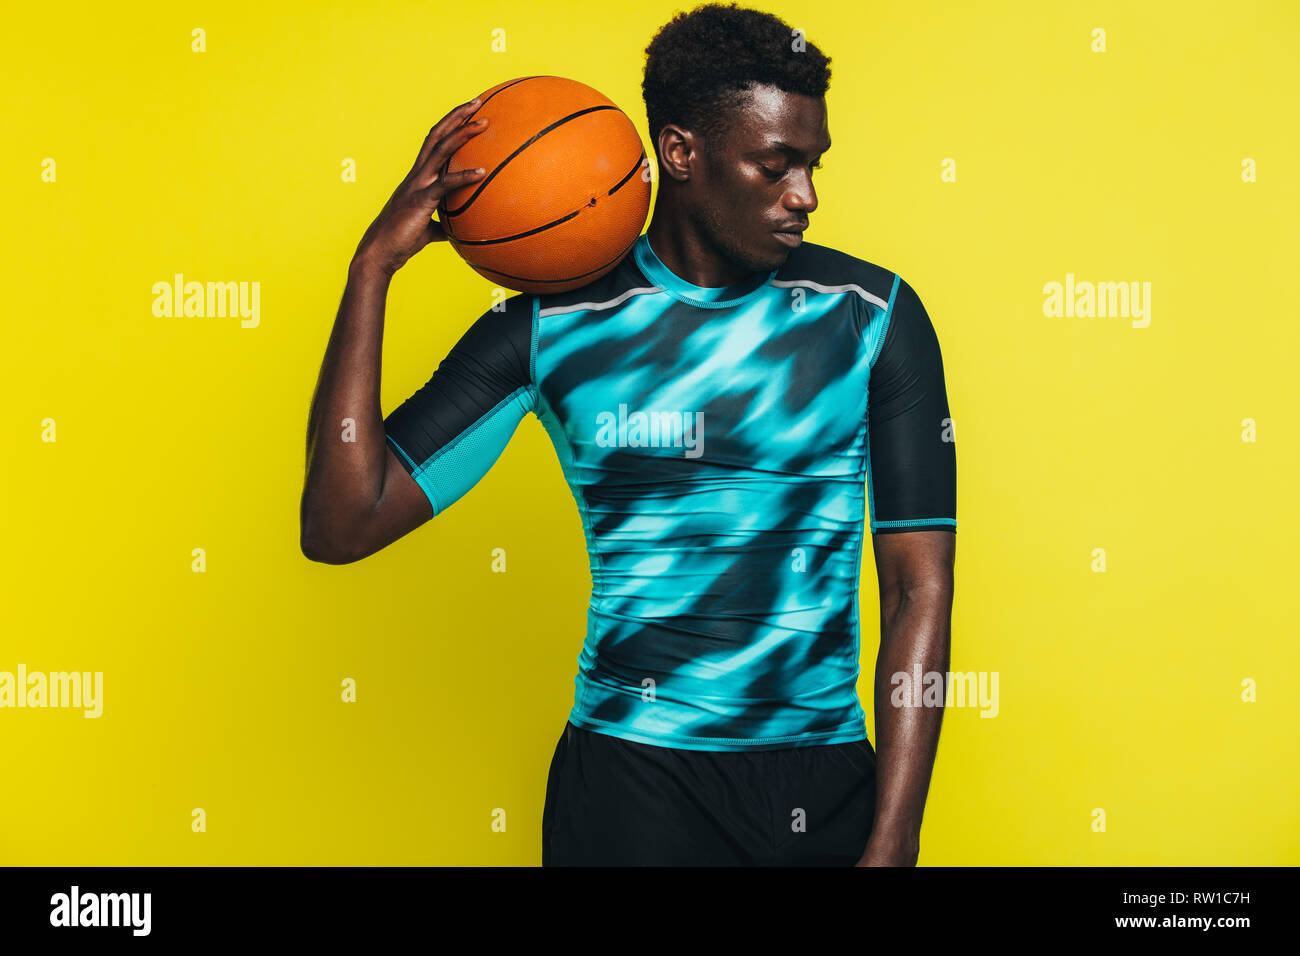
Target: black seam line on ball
507,275
555,222
502,90
619,185
535,137
443,170
522,235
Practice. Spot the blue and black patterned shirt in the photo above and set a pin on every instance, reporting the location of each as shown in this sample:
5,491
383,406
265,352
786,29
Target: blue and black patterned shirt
725,447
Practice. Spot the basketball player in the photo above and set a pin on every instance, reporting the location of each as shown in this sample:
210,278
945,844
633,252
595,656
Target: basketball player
729,406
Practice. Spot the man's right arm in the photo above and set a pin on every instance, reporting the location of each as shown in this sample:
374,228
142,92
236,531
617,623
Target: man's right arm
434,447
357,497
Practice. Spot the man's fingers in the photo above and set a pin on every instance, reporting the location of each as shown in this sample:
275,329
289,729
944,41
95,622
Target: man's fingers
443,151
450,182
443,127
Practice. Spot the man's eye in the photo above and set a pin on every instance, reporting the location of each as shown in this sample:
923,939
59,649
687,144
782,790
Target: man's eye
772,173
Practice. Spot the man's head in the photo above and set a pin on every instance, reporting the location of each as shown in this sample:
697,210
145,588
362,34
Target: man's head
737,111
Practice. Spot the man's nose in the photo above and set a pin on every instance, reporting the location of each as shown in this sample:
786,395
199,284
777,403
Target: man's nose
802,197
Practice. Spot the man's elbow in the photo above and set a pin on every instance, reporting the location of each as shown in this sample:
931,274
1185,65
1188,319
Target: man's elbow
323,550
933,582
320,555
325,557
928,588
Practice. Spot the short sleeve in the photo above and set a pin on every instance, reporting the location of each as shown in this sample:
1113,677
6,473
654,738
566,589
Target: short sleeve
454,428
911,455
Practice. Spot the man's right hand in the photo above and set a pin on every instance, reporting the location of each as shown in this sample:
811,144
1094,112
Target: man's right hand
406,225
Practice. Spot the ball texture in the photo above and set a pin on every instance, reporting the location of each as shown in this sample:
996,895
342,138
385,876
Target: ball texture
566,190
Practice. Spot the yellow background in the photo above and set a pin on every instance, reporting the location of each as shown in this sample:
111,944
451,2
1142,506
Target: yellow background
1119,691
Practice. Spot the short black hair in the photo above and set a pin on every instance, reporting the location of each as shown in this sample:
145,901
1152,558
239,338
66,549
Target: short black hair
700,63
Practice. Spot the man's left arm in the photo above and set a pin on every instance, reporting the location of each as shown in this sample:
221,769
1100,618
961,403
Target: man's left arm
916,585
912,491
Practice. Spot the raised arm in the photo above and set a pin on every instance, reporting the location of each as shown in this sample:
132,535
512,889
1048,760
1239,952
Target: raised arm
913,495
355,499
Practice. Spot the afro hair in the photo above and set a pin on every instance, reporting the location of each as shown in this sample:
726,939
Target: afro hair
699,65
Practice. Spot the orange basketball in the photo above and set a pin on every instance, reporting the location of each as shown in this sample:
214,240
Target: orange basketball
564,196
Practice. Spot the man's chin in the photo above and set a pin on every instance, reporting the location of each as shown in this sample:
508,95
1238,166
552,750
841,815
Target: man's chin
763,258
766,260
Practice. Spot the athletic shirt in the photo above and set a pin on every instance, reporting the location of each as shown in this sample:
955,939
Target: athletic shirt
724,446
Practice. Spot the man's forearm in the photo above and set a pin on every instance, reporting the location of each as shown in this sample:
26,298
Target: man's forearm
915,633
343,476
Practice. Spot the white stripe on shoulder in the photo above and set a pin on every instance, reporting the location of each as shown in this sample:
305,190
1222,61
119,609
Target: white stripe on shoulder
597,306
809,284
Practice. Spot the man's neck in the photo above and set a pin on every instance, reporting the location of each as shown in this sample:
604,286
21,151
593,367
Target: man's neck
688,254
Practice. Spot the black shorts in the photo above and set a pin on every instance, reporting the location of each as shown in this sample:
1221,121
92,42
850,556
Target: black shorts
614,802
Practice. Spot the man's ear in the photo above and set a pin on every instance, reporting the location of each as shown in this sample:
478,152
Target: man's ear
676,152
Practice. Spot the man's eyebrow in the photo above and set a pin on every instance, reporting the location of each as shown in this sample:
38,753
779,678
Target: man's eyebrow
778,146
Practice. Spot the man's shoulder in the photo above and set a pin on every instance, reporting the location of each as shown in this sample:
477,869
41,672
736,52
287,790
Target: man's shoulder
614,287
810,265
826,269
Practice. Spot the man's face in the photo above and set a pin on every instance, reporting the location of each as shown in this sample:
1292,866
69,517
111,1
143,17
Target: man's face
756,179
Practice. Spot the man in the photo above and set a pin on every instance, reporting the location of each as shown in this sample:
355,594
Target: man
728,405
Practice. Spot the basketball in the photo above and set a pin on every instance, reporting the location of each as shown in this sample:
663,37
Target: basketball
563,197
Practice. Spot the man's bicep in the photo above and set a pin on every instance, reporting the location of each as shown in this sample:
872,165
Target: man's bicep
453,468
911,455
403,506
448,434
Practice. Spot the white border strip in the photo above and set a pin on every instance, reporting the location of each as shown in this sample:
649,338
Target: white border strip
595,306
809,284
